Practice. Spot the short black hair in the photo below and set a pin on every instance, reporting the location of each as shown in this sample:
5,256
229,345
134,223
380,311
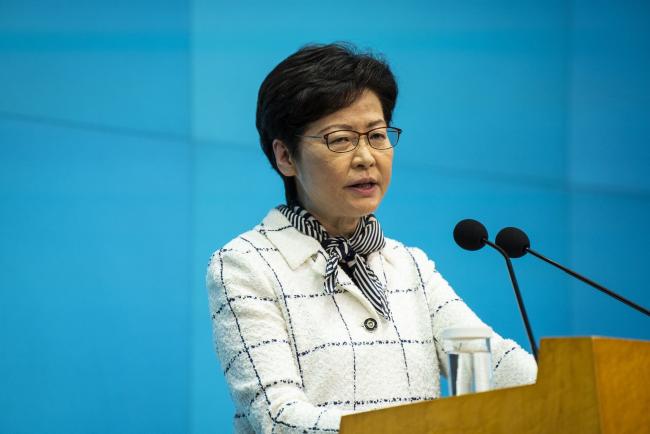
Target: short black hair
315,81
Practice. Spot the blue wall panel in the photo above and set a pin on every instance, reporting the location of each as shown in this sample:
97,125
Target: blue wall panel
95,261
609,244
610,95
120,64
95,217
495,93
609,114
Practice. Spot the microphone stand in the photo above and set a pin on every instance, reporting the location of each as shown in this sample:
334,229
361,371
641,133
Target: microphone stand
520,301
589,282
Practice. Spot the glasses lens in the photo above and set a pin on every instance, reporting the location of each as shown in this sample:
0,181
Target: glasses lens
383,138
342,141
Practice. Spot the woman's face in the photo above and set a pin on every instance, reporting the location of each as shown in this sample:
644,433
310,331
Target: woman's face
338,188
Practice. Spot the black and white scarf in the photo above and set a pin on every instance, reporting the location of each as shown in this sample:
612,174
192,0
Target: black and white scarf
350,252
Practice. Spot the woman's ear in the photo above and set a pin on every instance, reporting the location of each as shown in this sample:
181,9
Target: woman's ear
283,158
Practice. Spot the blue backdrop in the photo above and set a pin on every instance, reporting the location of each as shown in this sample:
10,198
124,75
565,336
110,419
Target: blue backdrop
128,153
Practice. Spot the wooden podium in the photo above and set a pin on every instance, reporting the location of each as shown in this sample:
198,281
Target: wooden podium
584,385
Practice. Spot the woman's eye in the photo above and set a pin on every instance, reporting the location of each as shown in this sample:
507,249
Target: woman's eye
378,136
339,140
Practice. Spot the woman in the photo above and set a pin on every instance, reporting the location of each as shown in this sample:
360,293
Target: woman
315,313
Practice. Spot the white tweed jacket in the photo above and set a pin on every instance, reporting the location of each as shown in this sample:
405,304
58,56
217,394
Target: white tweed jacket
297,359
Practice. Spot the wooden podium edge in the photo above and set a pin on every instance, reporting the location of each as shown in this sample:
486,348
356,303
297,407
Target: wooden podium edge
574,377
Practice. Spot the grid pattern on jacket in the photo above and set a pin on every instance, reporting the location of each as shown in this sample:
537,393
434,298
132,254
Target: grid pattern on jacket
297,358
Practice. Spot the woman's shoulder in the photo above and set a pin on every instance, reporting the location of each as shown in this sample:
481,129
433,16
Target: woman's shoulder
243,264
273,237
239,248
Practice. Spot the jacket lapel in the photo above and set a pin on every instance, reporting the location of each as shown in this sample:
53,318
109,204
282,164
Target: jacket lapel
344,281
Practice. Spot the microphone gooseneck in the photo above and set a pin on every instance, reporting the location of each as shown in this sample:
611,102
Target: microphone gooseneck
515,243
471,235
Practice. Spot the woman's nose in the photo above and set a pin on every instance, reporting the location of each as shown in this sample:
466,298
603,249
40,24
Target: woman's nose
363,154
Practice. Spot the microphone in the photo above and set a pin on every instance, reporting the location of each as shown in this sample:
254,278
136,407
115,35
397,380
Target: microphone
516,244
472,235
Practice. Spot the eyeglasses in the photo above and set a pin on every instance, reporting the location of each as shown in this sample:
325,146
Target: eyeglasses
348,140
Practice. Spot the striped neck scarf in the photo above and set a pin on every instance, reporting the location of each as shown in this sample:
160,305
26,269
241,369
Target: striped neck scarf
350,252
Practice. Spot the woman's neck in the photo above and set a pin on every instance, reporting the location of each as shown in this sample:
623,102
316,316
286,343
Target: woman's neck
335,226
341,227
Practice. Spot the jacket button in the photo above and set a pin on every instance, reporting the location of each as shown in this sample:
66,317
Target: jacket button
370,324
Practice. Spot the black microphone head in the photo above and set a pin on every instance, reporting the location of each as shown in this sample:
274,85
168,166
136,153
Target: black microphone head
470,234
514,241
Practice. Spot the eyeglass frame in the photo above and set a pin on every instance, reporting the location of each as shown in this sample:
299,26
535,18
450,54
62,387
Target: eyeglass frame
359,135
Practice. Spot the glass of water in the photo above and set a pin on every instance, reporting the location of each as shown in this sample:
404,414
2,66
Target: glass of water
470,359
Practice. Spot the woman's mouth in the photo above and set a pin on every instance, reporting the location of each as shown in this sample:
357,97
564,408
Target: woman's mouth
363,188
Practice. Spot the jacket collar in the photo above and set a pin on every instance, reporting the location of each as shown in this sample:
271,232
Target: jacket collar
294,246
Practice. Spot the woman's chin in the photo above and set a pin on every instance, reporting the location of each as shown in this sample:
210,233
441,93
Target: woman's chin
364,207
